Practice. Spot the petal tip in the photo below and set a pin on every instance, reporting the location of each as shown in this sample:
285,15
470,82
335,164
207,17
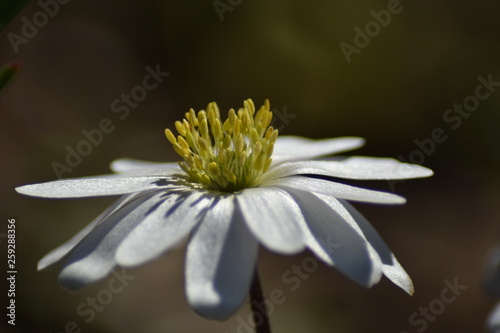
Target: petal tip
71,283
362,141
73,278
31,190
41,265
428,172
408,288
402,201
210,305
23,189
124,259
356,141
120,164
419,171
423,172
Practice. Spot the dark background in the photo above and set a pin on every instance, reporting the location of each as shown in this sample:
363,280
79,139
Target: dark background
394,92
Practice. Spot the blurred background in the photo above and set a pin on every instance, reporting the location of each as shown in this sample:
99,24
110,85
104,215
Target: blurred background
392,83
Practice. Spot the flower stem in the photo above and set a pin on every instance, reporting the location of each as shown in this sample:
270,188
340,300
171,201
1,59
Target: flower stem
258,305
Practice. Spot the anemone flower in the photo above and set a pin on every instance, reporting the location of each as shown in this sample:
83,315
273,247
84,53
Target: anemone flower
238,186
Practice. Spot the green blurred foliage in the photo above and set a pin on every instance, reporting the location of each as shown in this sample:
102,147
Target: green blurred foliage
7,73
9,9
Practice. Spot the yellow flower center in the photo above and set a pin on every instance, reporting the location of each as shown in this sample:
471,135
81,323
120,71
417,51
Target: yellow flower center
225,156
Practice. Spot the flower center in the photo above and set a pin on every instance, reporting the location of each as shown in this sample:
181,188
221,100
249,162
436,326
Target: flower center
225,156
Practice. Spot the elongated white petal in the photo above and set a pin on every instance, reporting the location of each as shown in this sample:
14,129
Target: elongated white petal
95,186
337,190
333,235
352,168
296,148
94,257
220,261
60,252
138,167
391,267
162,229
274,218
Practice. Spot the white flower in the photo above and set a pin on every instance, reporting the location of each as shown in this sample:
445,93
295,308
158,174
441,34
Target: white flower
228,196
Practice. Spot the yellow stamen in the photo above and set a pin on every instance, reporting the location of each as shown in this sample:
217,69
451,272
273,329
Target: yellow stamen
225,155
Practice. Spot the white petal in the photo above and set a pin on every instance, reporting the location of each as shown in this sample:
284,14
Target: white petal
296,148
93,258
220,261
334,236
138,167
391,267
162,229
352,168
274,218
60,252
95,186
337,190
